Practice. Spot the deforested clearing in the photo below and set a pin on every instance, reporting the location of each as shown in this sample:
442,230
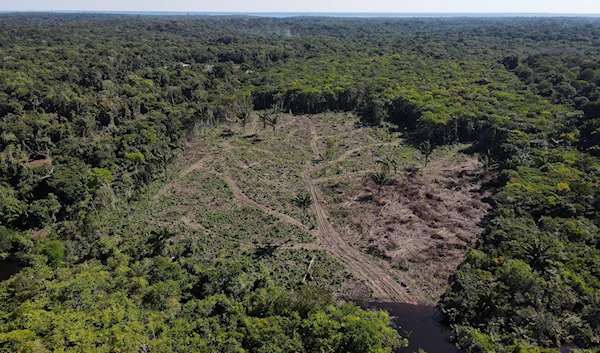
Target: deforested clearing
401,241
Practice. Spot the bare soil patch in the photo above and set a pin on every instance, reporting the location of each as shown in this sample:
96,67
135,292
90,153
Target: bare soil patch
421,224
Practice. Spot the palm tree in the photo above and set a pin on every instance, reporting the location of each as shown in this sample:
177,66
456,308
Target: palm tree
380,179
388,163
159,239
273,121
303,201
243,117
244,108
264,118
537,255
487,163
426,148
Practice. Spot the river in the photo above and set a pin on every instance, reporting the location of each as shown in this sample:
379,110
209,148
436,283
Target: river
420,324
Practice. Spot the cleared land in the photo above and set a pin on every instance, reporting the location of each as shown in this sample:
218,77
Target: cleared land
398,242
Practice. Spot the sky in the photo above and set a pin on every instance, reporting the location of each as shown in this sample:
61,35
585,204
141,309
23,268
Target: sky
395,6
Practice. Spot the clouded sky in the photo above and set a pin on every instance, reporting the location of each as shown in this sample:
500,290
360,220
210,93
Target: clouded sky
406,6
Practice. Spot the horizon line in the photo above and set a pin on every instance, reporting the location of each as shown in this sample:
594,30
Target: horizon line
300,12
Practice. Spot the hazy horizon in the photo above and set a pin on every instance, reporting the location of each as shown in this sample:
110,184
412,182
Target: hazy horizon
283,14
476,7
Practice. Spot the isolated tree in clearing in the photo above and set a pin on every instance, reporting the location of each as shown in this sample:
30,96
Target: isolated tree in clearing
244,108
303,201
426,148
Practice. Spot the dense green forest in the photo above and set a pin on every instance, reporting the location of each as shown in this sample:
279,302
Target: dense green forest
94,107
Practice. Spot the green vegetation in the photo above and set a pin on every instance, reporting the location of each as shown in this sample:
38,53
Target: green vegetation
94,109
157,305
380,179
303,201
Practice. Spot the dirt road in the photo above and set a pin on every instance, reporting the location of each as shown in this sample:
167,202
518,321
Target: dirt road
384,287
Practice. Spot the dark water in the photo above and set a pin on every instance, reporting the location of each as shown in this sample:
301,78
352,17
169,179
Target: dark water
420,324
7,269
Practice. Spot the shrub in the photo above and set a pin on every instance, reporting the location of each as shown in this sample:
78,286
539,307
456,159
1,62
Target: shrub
54,251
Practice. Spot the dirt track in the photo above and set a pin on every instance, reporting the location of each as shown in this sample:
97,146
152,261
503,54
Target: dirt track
241,196
383,286
196,166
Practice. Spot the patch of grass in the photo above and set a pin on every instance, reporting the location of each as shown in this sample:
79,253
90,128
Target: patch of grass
365,160
251,224
291,267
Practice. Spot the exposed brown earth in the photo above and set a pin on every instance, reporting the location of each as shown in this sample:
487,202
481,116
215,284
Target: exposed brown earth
421,224
402,241
36,162
383,286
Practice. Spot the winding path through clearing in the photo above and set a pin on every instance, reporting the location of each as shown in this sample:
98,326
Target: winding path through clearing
241,196
384,287
196,166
